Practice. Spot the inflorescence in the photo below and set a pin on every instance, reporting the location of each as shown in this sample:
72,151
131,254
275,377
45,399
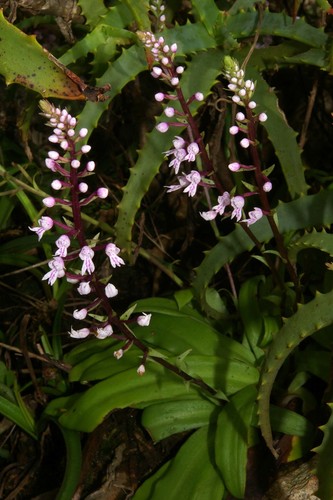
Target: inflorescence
72,247
184,154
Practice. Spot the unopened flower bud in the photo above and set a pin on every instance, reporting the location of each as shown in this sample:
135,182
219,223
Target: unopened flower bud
174,48
56,184
170,112
267,187
141,370
240,117
174,81
83,132
64,145
234,167
102,192
244,143
83,187
162,127
54,155
233,130
49,202
54,139
199,96
90,166
75,164
252,104
180,70
262,117
86,148
159,97
156,71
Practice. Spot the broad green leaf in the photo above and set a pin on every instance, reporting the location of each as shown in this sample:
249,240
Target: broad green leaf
232,439
191,475
164,419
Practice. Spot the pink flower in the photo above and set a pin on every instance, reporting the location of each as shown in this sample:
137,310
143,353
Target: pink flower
237,203
86,255
79,334
223,202
112,251
192,151
111,291
254,216
84,288
44,224
104,332
144,319
193,179
80,313
179,157
57,267
63,242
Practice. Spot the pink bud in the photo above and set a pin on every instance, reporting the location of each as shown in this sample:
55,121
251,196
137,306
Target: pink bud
49,202
86,148
83,132
162,127
54,155
244,143
75,163
102,192
56,184
159,97
90,166
83,187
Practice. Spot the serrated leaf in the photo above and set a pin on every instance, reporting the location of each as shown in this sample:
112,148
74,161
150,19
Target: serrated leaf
37,69
309,318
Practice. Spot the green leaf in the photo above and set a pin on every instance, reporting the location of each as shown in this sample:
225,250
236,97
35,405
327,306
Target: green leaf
250,313
309,318
291,423
32,68
18,415
164,419
206,13
325,463
232,440
191,475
